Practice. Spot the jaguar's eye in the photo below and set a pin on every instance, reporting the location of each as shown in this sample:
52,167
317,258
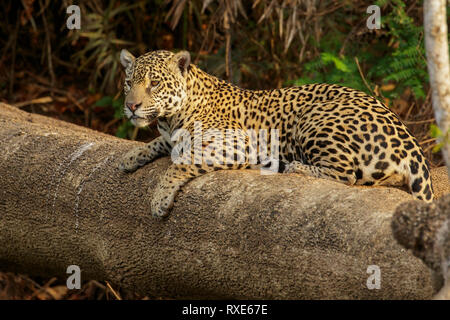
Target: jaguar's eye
154,83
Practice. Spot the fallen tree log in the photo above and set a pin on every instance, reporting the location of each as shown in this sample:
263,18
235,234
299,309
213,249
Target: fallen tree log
231,234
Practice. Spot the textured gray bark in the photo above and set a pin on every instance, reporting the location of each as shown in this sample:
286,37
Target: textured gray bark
231,234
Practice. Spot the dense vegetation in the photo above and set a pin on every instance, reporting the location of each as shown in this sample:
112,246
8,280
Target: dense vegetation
255,44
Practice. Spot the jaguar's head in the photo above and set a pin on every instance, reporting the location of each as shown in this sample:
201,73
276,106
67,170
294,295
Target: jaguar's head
155,85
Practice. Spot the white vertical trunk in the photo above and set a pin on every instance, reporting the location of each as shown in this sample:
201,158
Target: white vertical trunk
436,44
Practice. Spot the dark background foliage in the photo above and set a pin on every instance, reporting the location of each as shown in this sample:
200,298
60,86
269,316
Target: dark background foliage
75,75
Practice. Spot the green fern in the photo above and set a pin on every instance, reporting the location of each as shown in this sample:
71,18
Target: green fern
335,69
406,64
400,60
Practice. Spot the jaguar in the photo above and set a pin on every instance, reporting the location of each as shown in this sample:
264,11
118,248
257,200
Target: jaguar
324,130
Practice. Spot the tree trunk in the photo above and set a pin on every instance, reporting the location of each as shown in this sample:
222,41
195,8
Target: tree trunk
231,234
436,44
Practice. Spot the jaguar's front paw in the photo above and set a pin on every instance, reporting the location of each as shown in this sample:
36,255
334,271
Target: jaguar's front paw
134,159
161,205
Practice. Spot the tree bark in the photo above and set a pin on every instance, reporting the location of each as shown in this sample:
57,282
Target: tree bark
231,234
436,44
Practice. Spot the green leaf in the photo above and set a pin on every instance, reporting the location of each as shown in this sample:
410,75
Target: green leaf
118,108
118,103
104,102
339,64
437,147
435,132
123,129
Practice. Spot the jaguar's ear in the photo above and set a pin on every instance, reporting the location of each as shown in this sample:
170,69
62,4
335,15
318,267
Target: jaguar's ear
181,61
126,58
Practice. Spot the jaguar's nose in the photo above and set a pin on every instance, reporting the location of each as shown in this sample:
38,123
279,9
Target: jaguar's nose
133,106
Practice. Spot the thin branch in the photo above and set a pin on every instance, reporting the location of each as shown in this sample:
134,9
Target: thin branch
362,76
419,122
33,101
113,291
13,63
49,48
229,71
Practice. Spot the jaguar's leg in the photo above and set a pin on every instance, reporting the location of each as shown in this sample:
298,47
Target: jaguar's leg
176,176
212,155
142,155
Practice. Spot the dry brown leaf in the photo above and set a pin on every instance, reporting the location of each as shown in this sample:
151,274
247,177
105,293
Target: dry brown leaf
388,87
